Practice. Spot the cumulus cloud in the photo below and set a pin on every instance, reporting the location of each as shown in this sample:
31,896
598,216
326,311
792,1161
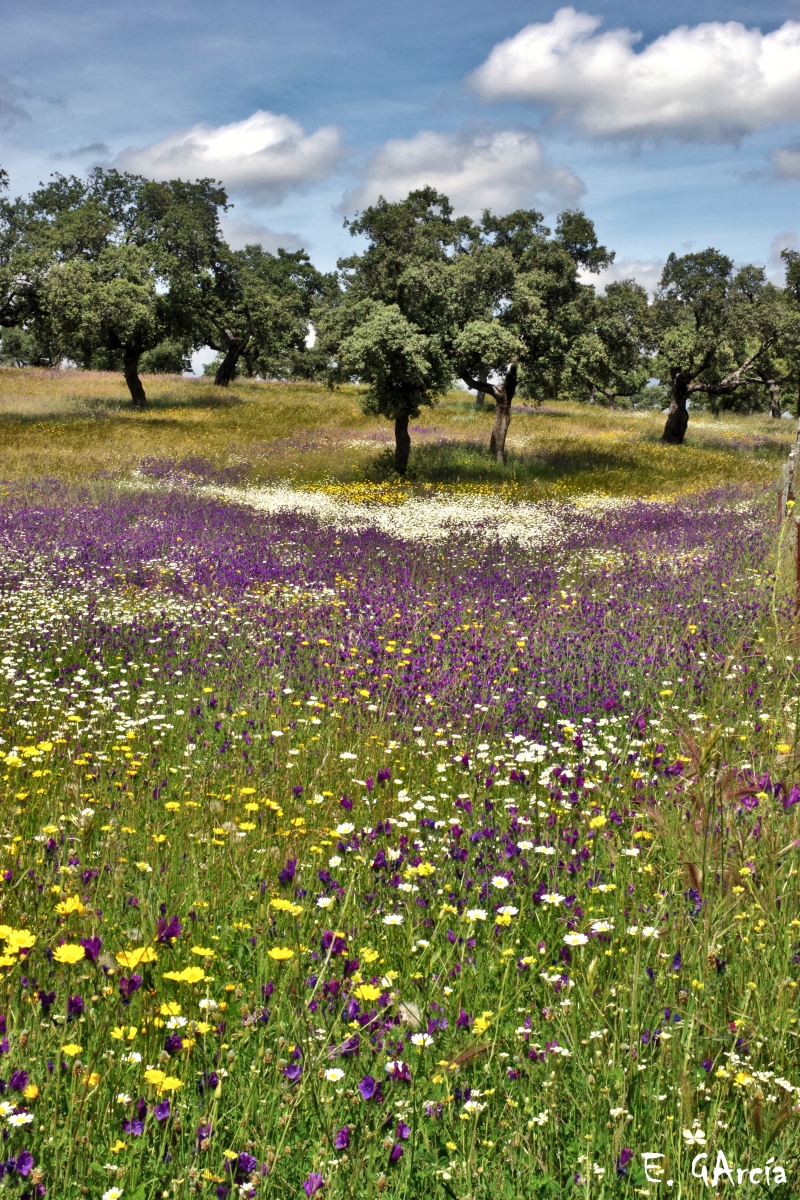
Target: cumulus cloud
647,272
786,162
239,233
501,170
711,82
265,156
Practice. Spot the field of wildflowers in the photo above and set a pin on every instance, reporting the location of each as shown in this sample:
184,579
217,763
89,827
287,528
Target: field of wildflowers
361,843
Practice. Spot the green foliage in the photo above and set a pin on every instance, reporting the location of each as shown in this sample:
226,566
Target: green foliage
262,311
167,358
389,326
21,347
130,263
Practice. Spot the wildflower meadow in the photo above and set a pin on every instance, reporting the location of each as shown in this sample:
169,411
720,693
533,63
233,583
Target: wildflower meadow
361,839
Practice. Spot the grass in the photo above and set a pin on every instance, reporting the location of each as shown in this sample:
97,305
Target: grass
73,425
337,862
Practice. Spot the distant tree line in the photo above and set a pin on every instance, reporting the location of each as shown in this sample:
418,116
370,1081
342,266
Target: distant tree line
117,272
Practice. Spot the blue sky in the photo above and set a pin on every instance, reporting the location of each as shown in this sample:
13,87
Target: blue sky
677,140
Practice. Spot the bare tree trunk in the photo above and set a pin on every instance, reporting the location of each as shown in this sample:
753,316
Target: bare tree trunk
502,420
402,444
130,366
774,397
227,368
479,399
678,416
504,394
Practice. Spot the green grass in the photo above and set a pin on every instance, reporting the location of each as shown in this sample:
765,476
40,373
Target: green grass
74,425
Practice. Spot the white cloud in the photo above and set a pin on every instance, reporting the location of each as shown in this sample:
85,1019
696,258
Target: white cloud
265,156
239,233
786,162
647,272
711,82
501,170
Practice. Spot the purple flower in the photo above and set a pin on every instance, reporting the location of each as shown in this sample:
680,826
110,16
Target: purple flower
287,874
22,1163
168,930
18,1081
402,1131
396,1153
161,1110
92,946
677,961
341,1140
74,1006
127,986
622,1162
313,1184
293,1072
46,999
134,1128
368,1087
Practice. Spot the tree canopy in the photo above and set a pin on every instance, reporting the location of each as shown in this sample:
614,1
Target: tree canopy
119,272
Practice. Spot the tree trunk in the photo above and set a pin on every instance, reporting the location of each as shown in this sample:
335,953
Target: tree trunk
479,399
774,398
503,395
227,368
402,444
130,367
678,416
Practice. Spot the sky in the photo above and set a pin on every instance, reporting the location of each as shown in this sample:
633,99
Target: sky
674,126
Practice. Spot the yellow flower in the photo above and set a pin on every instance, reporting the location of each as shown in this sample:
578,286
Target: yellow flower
93,1079
597,822
118,1146
172,806
204,951
7,960
369,956
134,958
202,1027
783,747
144,867
367,991
247,791
31,1092
170,1084
155,1077
170,1009
122,1031
70,905
481,1024
280,953
69,954
158,837
71,1049
281,905
251,807
246,826
187,975
19,939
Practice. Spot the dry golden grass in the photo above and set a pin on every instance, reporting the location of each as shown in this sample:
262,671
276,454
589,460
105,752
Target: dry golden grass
78,426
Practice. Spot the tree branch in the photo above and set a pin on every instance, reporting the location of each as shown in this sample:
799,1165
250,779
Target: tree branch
476,385
735,378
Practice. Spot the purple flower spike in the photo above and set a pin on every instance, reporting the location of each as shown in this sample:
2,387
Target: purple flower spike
313,1184
92,946
341,1139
